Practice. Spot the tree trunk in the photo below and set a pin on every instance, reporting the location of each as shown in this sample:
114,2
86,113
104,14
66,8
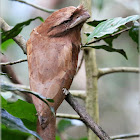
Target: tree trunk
91,77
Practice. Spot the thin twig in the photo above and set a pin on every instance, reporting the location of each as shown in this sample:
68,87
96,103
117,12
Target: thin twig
111,35
105,71
18,39
86,118
78,68
125,136
67,116
12,63
36,6
79,94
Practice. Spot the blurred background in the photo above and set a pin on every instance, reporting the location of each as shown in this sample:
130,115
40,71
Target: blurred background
119,97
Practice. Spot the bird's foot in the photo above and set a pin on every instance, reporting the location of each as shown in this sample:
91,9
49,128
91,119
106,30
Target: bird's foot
65,91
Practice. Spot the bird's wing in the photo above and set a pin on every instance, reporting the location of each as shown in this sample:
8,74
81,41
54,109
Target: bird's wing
51,68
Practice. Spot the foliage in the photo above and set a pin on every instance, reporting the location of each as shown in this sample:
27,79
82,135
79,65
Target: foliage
110,29
23,110
12,87
6,44
16,30
15,123
109,49
110,26
8,134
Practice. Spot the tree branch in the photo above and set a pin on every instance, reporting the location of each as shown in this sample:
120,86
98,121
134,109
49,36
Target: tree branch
125,136
105,71
86,118
18,39
73,102
111,35
37,7
79,94
12,63
67,116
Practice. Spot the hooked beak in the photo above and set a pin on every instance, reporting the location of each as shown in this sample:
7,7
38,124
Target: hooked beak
80,19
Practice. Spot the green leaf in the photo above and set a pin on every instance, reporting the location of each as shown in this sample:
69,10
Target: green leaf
63,125
11,87
17,29
57,137
109,40
8,134
134,33
94,23
15,123
6,44
22,110
110,26
109,49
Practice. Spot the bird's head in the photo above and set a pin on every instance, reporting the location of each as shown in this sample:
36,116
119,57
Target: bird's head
61,21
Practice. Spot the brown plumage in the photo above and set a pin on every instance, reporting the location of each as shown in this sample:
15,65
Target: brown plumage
52,51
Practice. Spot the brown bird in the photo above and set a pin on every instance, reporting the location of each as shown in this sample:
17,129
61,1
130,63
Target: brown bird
52,52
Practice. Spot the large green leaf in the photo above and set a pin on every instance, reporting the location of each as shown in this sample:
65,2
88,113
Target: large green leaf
16,29
15,123
22,110
109,49
110,26
13,87
8,134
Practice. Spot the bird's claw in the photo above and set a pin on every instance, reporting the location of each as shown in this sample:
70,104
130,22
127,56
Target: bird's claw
65,91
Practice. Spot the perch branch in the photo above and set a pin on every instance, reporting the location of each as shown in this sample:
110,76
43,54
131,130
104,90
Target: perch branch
37,7
86,118
18,39
112,35
105,71
12,63
67,116
125,136
69,98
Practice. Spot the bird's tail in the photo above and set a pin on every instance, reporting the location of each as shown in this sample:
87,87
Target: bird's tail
47,133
